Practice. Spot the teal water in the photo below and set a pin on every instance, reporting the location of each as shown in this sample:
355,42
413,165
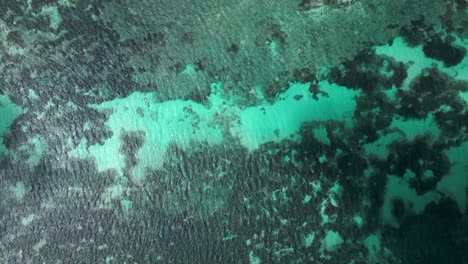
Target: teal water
312,131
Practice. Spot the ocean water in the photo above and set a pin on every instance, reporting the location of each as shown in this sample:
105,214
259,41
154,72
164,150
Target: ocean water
308,131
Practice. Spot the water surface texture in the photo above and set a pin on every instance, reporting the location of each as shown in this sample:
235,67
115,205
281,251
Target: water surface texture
299,131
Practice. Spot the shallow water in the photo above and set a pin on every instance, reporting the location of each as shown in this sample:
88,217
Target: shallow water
311,131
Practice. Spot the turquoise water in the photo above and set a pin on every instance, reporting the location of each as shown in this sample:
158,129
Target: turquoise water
311,131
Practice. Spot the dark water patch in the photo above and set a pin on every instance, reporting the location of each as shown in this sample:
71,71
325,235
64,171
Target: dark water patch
418,156
444,50
132,141
431,237
369,72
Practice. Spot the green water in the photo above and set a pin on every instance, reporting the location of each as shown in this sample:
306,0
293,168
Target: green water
307,131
